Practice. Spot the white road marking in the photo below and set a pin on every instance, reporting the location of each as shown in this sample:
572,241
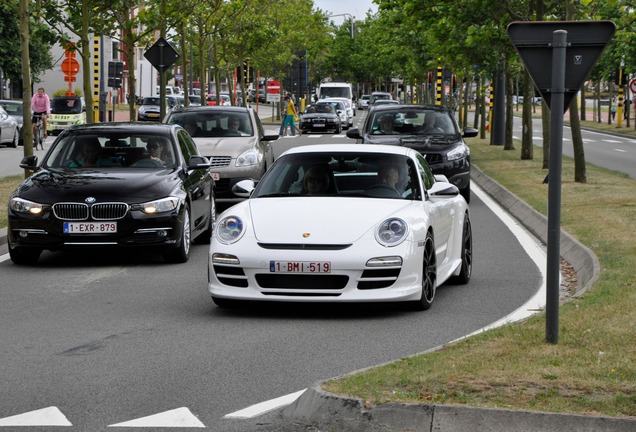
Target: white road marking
179,417
50,416
263,407
620,150
612,141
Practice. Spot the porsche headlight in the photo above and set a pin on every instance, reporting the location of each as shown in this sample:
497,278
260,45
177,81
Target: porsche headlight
229,229
160,205
247,158
392,232
458,152
20,205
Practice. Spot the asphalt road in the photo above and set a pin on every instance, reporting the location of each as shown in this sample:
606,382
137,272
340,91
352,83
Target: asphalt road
101,339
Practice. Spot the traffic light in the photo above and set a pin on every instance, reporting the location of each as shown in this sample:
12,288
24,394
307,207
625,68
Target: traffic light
115,73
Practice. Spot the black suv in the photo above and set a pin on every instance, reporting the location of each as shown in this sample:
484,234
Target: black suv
429,129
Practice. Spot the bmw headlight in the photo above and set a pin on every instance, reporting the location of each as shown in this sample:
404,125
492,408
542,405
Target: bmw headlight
392,232
229,229
20,205
458,152
160,206
247,158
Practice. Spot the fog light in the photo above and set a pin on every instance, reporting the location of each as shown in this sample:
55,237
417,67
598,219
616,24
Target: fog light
23,234
162,233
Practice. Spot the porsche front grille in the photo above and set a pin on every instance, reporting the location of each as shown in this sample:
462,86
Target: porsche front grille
81,211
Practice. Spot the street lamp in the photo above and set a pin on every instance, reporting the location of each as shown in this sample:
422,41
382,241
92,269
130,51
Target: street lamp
353,28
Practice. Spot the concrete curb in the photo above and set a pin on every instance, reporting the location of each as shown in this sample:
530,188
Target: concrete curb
321,408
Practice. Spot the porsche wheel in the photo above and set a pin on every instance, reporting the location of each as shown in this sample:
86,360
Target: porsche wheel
181,253
16,138
467,254
429,276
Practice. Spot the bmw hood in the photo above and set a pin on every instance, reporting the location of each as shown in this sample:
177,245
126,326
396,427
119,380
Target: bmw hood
319,219
131,186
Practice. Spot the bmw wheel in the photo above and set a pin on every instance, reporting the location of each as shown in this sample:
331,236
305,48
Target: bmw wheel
24,256
429,276
181,253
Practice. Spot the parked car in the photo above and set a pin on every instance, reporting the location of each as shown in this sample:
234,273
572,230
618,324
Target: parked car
341,110
100,186
408,237
9,129
320,118
14,109
66,111
442,143
379,95
379,102
363,102
235,154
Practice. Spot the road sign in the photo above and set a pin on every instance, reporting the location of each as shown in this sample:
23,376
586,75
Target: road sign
273,87
70,66
585,43
632,86
161,54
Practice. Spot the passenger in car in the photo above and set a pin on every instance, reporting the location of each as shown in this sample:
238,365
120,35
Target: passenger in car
317,180
90,155
389,176
386,125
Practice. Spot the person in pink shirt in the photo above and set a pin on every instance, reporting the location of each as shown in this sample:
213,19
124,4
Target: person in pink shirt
41,106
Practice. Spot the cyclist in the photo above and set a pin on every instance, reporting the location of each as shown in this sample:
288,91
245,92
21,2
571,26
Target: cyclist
41,106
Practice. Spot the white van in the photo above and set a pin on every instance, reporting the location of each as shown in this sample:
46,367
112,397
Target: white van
337,90
169,91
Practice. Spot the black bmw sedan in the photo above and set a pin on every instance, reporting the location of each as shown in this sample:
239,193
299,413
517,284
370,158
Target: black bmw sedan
113,185
320,118
429,129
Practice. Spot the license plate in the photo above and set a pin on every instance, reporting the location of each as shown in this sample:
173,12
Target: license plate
300,267
216,176
319,125
153,115
90,227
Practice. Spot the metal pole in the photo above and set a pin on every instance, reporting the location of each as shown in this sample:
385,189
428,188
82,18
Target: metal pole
559,47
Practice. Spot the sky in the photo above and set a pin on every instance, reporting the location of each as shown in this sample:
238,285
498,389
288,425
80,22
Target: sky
357,8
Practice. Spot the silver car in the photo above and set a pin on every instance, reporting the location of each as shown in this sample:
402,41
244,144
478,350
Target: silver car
9,129
233,139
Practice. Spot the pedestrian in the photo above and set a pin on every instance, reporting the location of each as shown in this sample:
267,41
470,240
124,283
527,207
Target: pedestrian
291,114
283,129
613,109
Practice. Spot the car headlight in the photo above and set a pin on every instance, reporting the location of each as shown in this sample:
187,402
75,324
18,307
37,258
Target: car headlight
392,232
229,229
458,153
20,205
247,158
160,206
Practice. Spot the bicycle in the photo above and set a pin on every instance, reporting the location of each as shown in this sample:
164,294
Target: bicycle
38,137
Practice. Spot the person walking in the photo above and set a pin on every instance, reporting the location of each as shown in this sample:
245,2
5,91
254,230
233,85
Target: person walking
283,129
291,114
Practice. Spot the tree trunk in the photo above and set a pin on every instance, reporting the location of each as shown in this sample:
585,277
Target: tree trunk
577,142
527,146
87,62
545,122
23,29
508,143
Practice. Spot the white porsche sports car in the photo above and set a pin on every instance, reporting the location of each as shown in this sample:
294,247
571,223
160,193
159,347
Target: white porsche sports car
342,223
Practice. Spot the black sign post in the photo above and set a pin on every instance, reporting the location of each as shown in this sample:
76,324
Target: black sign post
161,55
572,48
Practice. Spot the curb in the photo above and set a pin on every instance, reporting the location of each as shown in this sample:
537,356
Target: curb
321,408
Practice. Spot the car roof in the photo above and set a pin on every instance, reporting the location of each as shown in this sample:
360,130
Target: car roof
356,148
205,108
11,101
405,107
147,127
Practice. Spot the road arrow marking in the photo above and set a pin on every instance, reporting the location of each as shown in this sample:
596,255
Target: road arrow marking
179,417
263,407
50,416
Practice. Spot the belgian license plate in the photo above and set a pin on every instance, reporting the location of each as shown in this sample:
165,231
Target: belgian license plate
300,267
319,125
153,115
216,176
90,227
